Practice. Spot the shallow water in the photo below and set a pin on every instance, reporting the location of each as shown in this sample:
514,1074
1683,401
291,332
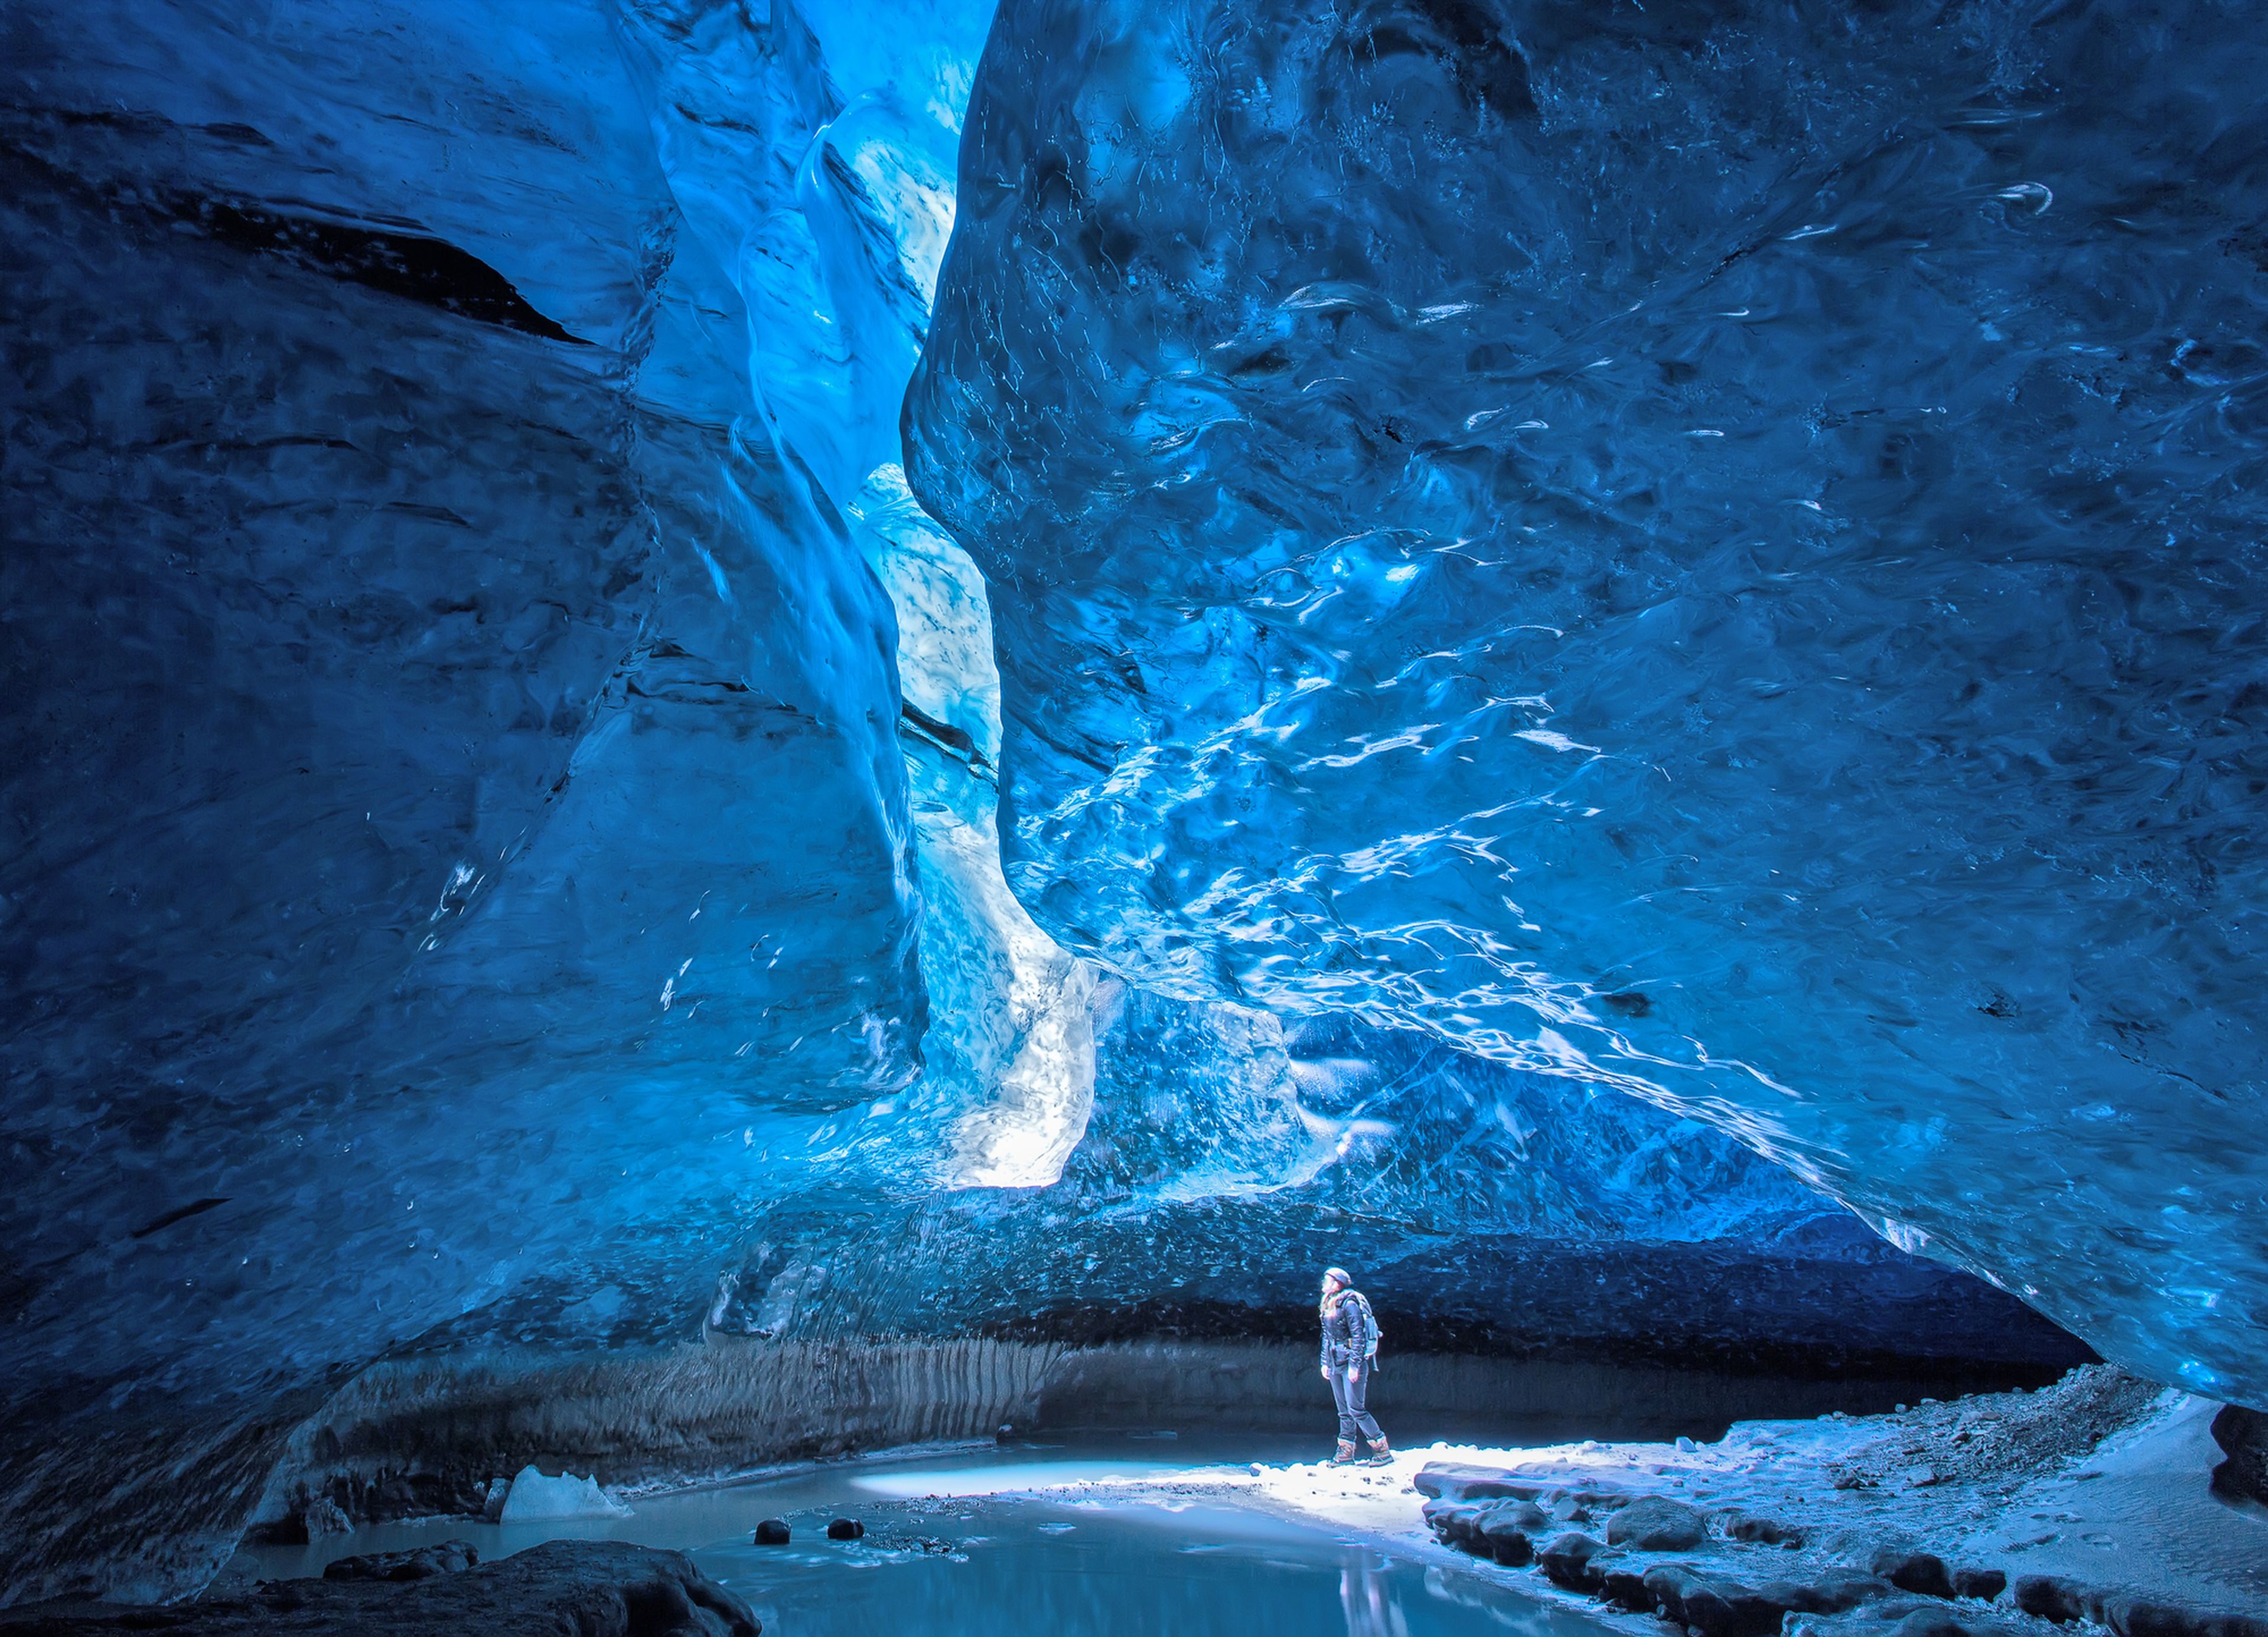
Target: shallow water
1010,1565
950,1551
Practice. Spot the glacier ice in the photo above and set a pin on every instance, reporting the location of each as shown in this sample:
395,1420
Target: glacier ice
534,1498
1710,550
551,803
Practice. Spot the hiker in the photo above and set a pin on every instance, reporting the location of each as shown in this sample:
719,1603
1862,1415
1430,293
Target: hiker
1349,1349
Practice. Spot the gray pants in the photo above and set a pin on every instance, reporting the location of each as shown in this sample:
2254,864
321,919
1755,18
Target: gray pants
1349,1386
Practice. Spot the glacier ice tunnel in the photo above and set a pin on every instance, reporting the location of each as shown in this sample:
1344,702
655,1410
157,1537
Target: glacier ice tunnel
743,729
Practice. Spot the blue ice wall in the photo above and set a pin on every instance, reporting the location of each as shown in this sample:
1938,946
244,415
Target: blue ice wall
1707,550
456,814
1487,1209
503,780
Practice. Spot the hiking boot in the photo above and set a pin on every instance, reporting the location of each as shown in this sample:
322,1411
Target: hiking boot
1345,1457
1379,1455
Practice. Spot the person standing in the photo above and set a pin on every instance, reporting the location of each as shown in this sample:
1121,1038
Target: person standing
1350,1350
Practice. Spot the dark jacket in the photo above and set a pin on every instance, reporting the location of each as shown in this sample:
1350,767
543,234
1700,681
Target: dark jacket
1350,1330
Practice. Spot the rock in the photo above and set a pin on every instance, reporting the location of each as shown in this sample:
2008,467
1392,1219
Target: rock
1948,1623
1985,1584
1765,1530
1449,1480
1524,1514
1667,1585
1656,1524
451,1557
1725,1608
2052,1597
1921,1572
1498,1530
845,1528
1567,1561
2243,1435
1507,1545
1623,1585
1503,1530
1836,1593
772,1532
1452,1521
1711,1606
2131,1614
586,1586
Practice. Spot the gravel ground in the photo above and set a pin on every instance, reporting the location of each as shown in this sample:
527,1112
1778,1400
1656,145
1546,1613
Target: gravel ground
1999,1440
2102,1478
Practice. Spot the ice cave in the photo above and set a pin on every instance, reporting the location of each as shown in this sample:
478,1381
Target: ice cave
766,763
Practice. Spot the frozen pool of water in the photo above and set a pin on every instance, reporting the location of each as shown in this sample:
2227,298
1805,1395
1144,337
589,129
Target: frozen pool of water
952,1550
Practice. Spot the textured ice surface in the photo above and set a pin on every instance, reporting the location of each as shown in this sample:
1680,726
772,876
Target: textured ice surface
456,812
1706,549
502,780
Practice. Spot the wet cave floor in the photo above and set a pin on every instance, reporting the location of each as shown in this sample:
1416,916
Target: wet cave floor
952,1547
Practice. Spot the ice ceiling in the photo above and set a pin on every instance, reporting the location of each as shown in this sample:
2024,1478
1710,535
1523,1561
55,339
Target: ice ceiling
1565,620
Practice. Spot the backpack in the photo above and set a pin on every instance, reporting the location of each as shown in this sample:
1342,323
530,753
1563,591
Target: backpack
1370,1324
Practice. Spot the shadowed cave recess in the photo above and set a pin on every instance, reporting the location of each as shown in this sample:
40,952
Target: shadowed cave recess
742,729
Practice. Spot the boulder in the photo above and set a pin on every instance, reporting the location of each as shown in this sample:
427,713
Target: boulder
1568,1561
772,1532
1768,1532
1523,1515
1502,1539
1667,1585
1921,1572
451,1557
1623,1585
845,1528
1837,1592
1457,1523
2132,1614
1725,1608
1944,1622
2243,1435
590,1586
1657,1523
2052,1597
1984,1584
1450,1480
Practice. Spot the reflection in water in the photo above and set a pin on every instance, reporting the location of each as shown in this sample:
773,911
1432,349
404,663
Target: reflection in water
1006,1567
947,1554
1373,1610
